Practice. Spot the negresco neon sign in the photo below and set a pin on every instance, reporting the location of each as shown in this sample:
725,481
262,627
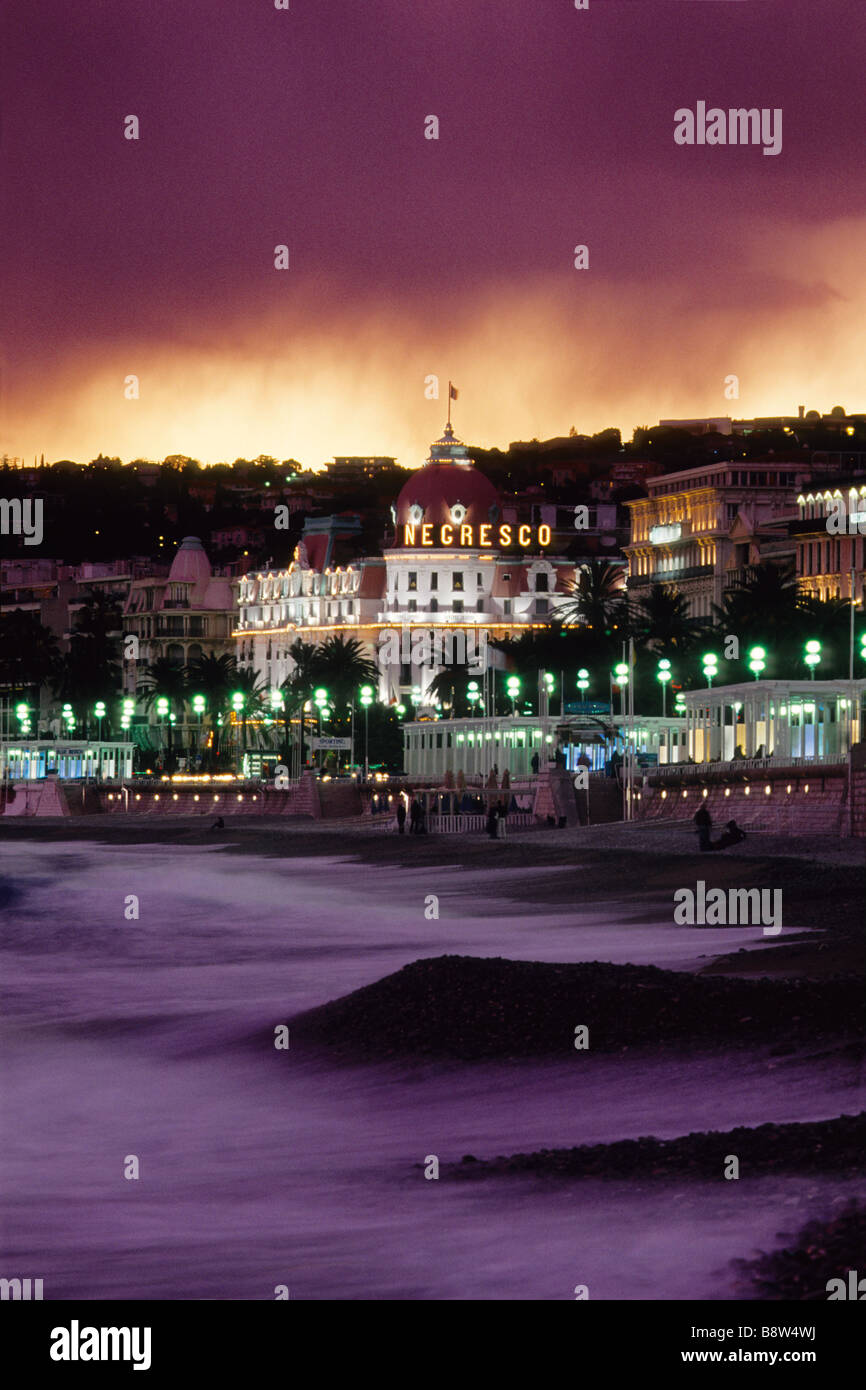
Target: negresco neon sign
476,537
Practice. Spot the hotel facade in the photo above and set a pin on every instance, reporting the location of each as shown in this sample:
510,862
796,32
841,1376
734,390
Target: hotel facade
699,530
454,573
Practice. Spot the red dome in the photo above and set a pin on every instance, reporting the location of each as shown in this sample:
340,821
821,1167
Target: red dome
435,491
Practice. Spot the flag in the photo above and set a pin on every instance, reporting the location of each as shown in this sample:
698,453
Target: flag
452,392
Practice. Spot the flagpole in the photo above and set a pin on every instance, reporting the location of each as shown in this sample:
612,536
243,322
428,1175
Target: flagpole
449,404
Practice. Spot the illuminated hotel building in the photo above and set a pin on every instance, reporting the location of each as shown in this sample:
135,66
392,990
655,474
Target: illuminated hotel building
827,557
455,571
698,530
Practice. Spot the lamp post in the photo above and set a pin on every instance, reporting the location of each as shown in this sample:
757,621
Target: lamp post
711,668
127,709
162,710
512,685
663,674
22,712
366,701
756,661
68,717
198,705
812,657
620,678
583,681
320,700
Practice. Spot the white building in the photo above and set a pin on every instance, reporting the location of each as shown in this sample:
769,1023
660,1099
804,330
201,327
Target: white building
456,573
783,720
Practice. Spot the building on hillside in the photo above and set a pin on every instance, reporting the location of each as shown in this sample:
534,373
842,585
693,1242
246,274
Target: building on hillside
454,573
185,614
353,469
697,530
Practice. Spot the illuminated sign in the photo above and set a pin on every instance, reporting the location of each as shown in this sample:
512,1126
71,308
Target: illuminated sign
660,535
476,537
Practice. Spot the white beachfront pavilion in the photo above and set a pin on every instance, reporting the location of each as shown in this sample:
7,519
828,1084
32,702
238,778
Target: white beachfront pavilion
780,719
26,760
472,746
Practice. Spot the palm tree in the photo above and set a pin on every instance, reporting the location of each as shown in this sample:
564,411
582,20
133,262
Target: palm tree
28,653
214,677
256,701
342,667
597,596
164,679
766,601
450,686
90,670
662,621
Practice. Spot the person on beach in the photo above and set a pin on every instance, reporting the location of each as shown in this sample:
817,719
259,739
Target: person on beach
704,824
492,821
731,835
414,812
219,824
401,815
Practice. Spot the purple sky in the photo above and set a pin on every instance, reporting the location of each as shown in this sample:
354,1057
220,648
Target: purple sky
411,256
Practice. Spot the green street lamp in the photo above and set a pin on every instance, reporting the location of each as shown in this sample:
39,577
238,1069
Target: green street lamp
512,686
99,711
756,661
620,678
162,707
812,657
68,717
680,705
711,667
583,680
366,701
23,712
663,674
